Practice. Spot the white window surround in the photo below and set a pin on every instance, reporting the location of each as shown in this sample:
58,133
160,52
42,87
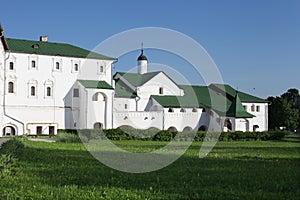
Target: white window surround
75,63
35,60
57,65
101,68
48,84
8,67
31,93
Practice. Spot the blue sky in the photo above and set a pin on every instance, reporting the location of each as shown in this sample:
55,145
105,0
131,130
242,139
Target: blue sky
255,44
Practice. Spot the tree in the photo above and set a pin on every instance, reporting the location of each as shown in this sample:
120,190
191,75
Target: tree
283,110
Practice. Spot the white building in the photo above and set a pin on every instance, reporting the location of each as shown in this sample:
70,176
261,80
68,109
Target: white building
47,86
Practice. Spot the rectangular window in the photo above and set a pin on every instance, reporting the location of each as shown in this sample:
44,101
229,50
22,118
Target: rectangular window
161,90
253,108
257,108
11,66
245,108
126,106
10,87
39,130
51,130
33,64
75,92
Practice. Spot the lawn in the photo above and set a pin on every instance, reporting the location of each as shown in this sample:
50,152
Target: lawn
233,170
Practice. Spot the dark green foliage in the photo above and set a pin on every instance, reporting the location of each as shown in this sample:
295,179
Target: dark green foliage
284,111
129,133
13,147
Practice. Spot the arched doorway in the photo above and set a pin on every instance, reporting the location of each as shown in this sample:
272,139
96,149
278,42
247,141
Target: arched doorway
172,129
227,125
9,131
98,125
187,129
202,128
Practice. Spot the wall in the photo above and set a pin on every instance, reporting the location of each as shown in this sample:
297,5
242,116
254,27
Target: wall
40,108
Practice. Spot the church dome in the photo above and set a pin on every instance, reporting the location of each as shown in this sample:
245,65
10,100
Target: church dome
142,56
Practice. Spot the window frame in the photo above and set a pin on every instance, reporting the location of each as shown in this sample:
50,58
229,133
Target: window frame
76,93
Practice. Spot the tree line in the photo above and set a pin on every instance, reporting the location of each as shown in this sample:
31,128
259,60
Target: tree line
284,111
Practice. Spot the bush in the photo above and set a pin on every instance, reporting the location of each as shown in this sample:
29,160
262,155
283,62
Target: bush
13,147
67,137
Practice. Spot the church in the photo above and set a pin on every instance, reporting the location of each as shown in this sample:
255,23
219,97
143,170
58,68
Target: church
46,86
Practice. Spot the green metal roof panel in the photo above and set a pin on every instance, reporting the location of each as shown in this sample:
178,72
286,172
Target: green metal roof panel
95,84
237,110
121,90
138,79
51,48
244,97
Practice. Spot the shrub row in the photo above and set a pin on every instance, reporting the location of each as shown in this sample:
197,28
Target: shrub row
164,135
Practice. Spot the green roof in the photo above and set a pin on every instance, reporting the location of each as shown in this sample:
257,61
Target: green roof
51,48
121,90
138,79
95,84
246,98
206,97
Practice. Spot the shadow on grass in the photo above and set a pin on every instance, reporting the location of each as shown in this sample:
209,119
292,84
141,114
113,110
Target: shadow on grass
185,178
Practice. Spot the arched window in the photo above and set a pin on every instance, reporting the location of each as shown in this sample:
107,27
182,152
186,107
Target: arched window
57,65
11,66
32,91
171,110
76,67
182,110
33,64
194,110
10,87
161,90
203,110
98,125
48,91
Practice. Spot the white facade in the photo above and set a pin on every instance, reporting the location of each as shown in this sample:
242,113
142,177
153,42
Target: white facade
42,93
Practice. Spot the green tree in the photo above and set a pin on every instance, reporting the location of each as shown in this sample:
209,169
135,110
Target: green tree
281,114
293,96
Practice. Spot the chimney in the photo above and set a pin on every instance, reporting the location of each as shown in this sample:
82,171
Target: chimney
44,38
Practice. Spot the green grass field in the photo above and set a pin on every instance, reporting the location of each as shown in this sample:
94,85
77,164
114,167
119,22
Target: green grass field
233,170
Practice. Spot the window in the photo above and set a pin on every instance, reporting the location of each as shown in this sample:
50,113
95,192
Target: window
33,64
171,110
126,106
203,110
252,108
57,67
101,69
245,108
257,108
75,92
39,130
51,130
32,91
161,90
11,66
182,110
48,92
194,110
10,87
76,67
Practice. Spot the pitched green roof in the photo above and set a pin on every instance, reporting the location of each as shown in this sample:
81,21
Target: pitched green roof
51,48
95,84
237,110
138,79
244,97
121,90
206,97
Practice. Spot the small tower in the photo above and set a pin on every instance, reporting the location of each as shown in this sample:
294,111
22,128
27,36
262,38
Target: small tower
142,62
